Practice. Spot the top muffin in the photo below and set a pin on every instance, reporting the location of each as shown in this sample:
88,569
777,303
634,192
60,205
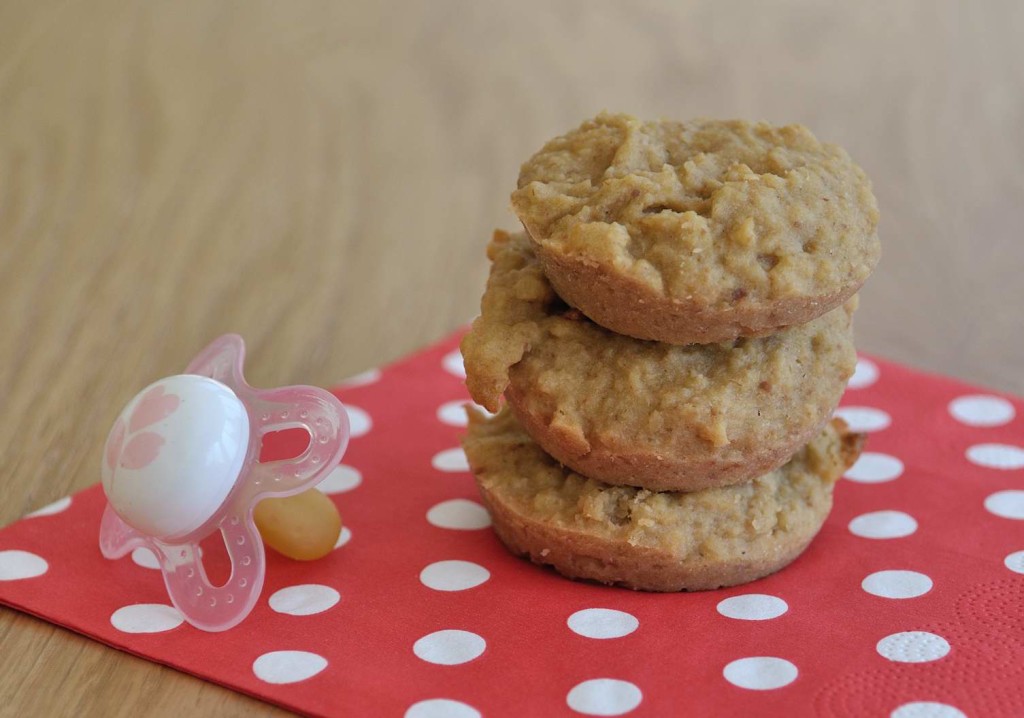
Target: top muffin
697,232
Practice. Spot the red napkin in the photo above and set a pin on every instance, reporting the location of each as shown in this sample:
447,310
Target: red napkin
909,602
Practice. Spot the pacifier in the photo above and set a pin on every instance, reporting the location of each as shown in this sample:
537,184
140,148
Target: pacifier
181,463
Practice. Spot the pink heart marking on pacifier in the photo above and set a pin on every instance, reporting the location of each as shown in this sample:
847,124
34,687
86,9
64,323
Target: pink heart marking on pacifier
152,407
142,450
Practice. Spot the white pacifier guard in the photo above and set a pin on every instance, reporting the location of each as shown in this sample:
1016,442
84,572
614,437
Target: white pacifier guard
181,462
188,437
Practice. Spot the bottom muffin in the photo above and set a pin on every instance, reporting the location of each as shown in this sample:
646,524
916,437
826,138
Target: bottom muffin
649,540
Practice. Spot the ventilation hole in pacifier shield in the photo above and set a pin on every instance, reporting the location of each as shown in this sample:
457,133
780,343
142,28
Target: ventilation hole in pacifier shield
284,444
216,561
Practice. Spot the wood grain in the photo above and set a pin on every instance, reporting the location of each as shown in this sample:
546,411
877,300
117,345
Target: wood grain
322,177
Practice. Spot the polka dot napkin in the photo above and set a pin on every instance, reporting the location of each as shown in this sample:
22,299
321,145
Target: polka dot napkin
909,604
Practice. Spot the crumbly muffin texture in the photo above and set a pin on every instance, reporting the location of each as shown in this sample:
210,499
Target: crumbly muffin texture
714,523
593,394
513,315
652,541
707,211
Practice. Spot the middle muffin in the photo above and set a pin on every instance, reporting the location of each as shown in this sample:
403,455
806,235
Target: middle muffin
642,413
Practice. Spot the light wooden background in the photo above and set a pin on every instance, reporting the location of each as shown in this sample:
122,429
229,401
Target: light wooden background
322,178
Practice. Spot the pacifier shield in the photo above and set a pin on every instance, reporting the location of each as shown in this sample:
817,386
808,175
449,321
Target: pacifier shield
181,463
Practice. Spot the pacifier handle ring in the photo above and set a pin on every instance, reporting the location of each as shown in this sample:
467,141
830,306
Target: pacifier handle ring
318,412
188,586
209,607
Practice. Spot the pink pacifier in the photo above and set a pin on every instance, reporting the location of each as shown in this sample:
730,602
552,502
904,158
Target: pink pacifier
181,462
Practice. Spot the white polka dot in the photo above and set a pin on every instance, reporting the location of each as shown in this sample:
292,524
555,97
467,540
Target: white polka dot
50,509
146,618
1006,504
883,525
982,410
450,460
927,709
280,667
897,584
453,575
362,378
602,623
449,647
341,479
453,364
344,537
864,375
874,468
1015,561
145,558
454,412
16,565
863,418
459,514
913,647
760,673
441,708
304,600
604,697
359,422
753,607
996,456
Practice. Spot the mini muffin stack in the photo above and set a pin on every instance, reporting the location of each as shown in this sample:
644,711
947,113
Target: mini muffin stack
671,335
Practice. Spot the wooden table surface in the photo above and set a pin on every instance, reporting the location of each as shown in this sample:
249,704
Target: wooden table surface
322,179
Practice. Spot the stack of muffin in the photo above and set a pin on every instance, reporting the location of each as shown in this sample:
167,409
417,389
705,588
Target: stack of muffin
671,334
